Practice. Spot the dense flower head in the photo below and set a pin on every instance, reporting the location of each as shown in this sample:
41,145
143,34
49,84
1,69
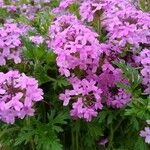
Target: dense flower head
90,8
85,96
60,24
126,25
10,42
144,59
108,78
18,94
75,45
29,10
146,134
112,51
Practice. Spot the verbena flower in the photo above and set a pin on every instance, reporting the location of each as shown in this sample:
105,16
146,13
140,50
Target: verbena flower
146,134
10,42
85,96
75,45
128,24
144,59
18,94
120,99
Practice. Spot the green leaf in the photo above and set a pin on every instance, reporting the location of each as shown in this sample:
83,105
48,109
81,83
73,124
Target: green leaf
3,13
60,118
24,137
133,77
60,82
41,74
135,123
50,57
94,130
110,119
140,144
123,86
57,120
139,108
55,145
142,4
102,116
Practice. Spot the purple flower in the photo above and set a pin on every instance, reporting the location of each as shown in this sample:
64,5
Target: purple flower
120,99
18,94
103,141
146,134
10,42
37,39
144,59
87,98
74,44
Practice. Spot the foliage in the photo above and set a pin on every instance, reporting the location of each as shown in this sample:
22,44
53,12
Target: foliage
52,127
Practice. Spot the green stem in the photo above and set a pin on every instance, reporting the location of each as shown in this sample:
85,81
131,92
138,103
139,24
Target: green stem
99,28
119,123
44,111
28,123
110,145
77,141
72,140
52,79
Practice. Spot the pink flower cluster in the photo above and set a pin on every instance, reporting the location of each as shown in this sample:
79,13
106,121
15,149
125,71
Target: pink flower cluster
75,45
145,61
10,42
87,96
121,99
126,25
18,94
146,133
89,9
25,9
29,10
113,96
81,56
